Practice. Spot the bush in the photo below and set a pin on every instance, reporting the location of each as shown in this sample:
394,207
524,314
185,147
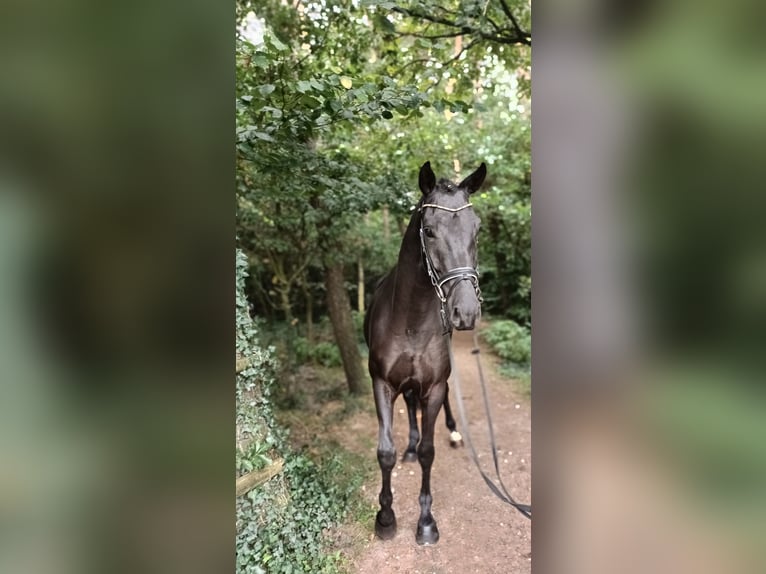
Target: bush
280,524
358,319
255,424
326,354
511,341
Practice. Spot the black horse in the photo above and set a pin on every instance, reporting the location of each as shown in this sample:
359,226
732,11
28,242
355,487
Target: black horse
433,288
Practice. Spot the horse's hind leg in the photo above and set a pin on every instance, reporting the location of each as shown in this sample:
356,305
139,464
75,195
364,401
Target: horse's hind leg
385,521
427,532
455,438
411,455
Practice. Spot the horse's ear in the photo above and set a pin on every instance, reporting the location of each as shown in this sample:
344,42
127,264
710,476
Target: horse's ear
474,181
427,179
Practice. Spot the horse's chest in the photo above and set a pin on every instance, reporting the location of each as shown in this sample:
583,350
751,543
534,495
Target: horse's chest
422,365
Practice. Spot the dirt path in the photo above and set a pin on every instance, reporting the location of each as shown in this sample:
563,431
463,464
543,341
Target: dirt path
479,533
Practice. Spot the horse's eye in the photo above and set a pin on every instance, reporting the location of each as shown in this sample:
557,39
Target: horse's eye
429,232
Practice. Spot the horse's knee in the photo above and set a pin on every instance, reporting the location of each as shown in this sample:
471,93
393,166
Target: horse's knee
386,458
426,453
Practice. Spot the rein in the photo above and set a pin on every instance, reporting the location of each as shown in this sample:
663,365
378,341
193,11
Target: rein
459,273
502,492
438,281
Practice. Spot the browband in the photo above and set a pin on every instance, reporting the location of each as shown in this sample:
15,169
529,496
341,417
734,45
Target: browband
453,209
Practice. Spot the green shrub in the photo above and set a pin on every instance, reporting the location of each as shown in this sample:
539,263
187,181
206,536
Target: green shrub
358,319
511,341
255,422
301,350
326,354
279,524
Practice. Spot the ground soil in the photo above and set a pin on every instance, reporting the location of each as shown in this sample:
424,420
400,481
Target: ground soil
479,533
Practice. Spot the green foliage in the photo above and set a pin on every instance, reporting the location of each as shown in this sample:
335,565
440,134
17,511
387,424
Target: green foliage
358,319
324,353
279,524
513,344
446,45
510,341
317,148
257,430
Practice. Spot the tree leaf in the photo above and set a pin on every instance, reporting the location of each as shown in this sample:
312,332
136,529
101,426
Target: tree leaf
346,82
277,44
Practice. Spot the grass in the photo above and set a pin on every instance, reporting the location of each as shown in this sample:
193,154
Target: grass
522,376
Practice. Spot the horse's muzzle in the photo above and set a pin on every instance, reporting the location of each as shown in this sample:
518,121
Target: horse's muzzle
464,306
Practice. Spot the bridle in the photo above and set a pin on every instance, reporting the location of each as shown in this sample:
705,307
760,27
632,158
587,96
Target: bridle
456,274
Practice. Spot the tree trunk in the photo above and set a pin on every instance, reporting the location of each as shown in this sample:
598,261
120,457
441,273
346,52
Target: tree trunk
359,285
309,298
339,308
386,225
284,301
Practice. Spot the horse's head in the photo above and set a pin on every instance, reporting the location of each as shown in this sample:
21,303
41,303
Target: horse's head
448,230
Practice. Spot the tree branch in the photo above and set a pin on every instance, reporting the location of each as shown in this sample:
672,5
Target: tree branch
423,16
519,31
299,269
249,481
460,53
408,64
431,37
504,36
510,39
494,24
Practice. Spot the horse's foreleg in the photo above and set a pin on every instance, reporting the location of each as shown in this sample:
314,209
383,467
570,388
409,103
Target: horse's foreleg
411,455
427,532
455,438
385,521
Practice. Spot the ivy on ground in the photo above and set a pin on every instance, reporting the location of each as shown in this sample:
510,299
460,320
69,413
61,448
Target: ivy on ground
281,524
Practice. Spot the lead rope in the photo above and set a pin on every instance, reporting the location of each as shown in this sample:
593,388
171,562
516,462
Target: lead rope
524,509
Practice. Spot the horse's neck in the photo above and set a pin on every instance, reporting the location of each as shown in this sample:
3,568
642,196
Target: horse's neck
413,293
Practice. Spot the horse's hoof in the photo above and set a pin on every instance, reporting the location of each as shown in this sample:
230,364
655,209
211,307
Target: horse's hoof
455,439
427,534
410,456
385,531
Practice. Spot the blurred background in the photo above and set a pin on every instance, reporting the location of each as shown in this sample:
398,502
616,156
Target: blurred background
648,250
116,179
